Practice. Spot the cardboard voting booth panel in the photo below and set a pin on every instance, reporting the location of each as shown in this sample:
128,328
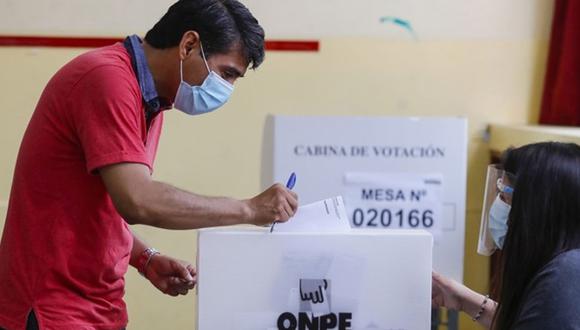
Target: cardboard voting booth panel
254,280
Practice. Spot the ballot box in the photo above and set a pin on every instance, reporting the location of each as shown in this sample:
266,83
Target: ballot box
256,280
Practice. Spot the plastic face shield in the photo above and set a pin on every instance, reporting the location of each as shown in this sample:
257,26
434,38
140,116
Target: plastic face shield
498,182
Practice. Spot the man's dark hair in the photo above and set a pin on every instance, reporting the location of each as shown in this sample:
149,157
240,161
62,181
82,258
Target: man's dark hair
221,24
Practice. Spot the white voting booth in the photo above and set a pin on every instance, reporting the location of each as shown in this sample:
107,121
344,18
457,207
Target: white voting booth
393,173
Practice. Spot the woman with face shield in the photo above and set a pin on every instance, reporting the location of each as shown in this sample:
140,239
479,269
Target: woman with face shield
531,212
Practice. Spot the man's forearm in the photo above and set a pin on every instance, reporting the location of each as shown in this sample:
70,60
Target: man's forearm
165,206
141,200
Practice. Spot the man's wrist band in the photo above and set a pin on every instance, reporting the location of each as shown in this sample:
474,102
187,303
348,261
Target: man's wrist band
145,259
481,309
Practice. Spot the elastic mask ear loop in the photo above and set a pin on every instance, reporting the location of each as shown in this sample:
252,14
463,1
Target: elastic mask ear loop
181,70
203,56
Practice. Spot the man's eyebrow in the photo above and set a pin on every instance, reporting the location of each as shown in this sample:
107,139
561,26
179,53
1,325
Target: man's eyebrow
234,70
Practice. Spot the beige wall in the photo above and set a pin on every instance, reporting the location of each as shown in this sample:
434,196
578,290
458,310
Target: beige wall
485,80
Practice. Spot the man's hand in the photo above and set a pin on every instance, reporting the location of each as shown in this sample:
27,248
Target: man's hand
275,204
171,276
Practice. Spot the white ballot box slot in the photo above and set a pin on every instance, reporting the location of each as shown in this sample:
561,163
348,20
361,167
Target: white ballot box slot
357,279
326,215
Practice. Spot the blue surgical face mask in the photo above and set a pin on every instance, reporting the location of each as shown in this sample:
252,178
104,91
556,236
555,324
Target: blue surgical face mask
196,100
498,218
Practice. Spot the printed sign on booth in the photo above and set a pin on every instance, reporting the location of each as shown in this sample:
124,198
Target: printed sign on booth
394,200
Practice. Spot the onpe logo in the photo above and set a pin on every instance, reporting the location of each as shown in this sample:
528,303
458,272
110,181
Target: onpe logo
315,299
313,292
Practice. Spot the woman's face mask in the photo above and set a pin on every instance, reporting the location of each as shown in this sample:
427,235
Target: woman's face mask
196,100
498,218
496,210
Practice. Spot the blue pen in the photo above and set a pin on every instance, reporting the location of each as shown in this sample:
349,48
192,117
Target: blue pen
290,184
291,181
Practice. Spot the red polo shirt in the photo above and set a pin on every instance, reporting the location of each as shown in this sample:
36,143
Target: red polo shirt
65,249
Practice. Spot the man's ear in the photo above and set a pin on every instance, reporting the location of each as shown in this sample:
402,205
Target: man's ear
189,43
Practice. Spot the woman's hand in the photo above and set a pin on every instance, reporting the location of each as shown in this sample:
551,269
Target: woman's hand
446,292
456,296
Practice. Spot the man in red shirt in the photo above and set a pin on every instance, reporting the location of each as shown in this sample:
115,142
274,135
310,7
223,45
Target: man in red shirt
83,173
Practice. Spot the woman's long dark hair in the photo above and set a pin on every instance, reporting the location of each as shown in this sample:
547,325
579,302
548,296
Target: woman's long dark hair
544,220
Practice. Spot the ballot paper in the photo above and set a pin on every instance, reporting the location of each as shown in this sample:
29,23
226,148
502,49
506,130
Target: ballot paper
327,215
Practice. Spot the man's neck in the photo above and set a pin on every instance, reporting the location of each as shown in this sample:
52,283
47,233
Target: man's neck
157,60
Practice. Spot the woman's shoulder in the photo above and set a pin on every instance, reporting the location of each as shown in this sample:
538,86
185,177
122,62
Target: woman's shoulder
553,296
560,273
566,261
563,267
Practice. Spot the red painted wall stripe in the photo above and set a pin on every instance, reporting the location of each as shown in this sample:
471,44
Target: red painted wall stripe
91,42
